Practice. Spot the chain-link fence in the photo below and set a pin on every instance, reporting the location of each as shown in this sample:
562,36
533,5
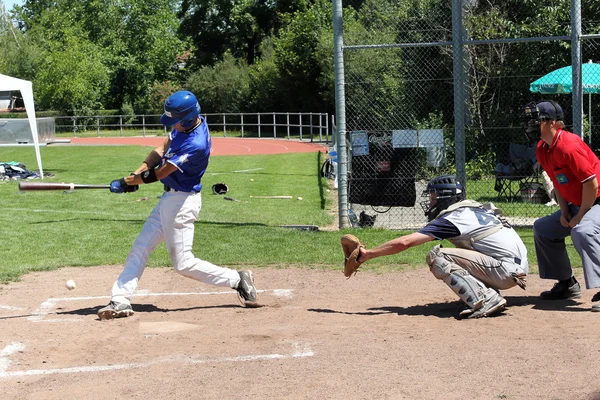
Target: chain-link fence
426,88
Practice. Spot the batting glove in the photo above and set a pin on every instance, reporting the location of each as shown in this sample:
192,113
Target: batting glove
119,186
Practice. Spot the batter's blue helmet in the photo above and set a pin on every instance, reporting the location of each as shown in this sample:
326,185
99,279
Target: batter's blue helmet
181,107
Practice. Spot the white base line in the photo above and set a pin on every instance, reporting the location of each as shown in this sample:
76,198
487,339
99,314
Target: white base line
305,351
47,306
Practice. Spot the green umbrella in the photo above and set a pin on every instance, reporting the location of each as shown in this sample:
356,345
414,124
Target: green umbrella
560,81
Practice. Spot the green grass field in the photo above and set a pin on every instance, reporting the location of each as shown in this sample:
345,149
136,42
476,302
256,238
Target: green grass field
52,229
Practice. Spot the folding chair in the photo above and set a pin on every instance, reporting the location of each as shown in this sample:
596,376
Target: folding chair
521,170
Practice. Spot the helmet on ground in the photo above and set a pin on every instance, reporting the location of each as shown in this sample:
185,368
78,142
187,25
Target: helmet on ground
181,107
535,113
441,192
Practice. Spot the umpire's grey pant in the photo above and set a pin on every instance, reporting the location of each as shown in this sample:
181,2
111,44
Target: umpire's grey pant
553,261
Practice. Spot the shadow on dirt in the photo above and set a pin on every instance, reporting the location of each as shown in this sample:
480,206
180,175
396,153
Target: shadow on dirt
549,305
143,308
440,310
453,309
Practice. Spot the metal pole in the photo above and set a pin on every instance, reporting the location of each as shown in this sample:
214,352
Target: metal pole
459,89
258,124
340,112
143,125
274,127
242,121
224,127
576,67
320,127
98,126
121,125
311,126
327,128
288,124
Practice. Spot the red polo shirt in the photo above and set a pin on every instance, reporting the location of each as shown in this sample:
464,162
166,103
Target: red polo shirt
569,162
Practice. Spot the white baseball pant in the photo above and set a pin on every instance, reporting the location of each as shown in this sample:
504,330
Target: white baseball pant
171,221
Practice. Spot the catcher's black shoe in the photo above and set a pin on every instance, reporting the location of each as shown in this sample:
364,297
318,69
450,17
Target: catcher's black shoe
246,290
562,290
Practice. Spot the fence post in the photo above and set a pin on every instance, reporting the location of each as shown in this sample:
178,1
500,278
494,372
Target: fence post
143,125
300,117
320,127
74,118
121,125
97,126
224,127
242,123
288,124
274,127
311,126
327,128
258,124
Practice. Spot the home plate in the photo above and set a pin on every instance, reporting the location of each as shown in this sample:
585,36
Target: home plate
166,327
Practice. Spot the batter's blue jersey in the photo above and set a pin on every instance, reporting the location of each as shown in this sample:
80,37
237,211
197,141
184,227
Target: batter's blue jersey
189,152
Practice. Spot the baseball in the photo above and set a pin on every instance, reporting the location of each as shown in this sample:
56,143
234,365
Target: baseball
299,198
70,284
251,180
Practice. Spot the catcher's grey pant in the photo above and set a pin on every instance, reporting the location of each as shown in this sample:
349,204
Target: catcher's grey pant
171,221
553,261
493,273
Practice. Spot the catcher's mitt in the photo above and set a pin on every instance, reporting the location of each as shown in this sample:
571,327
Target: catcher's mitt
351,247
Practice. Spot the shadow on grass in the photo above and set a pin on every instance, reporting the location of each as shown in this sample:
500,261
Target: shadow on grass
131,221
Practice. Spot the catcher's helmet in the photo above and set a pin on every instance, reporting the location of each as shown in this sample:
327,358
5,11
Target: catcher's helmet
538,112
441,192
181,107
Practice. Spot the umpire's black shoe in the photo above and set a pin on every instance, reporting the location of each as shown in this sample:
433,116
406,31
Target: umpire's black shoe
563,290
596,302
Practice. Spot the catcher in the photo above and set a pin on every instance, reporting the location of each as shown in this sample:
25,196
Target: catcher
489,254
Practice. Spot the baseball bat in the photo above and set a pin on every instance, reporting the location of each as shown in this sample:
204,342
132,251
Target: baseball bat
271,197
58,186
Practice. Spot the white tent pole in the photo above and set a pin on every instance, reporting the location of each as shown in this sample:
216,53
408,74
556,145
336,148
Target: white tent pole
29,107
8,83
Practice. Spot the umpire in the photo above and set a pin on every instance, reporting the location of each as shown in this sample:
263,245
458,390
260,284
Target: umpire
574,169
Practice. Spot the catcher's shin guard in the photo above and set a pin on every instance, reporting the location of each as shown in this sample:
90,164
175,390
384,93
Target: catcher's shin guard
468,288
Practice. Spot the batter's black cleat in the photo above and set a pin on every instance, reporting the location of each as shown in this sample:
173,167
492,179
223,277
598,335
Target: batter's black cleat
562,290
246,290
115,310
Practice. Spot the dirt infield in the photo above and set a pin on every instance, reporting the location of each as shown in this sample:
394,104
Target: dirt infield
318,336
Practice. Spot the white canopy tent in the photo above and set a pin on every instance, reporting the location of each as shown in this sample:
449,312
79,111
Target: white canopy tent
8,83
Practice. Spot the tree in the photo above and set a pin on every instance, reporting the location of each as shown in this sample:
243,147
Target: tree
235,26
136,40
71,76
222,88
301,58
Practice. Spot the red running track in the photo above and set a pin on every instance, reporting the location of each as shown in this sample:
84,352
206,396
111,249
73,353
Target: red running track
220,146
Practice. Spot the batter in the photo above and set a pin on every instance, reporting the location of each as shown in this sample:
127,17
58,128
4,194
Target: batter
179,164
